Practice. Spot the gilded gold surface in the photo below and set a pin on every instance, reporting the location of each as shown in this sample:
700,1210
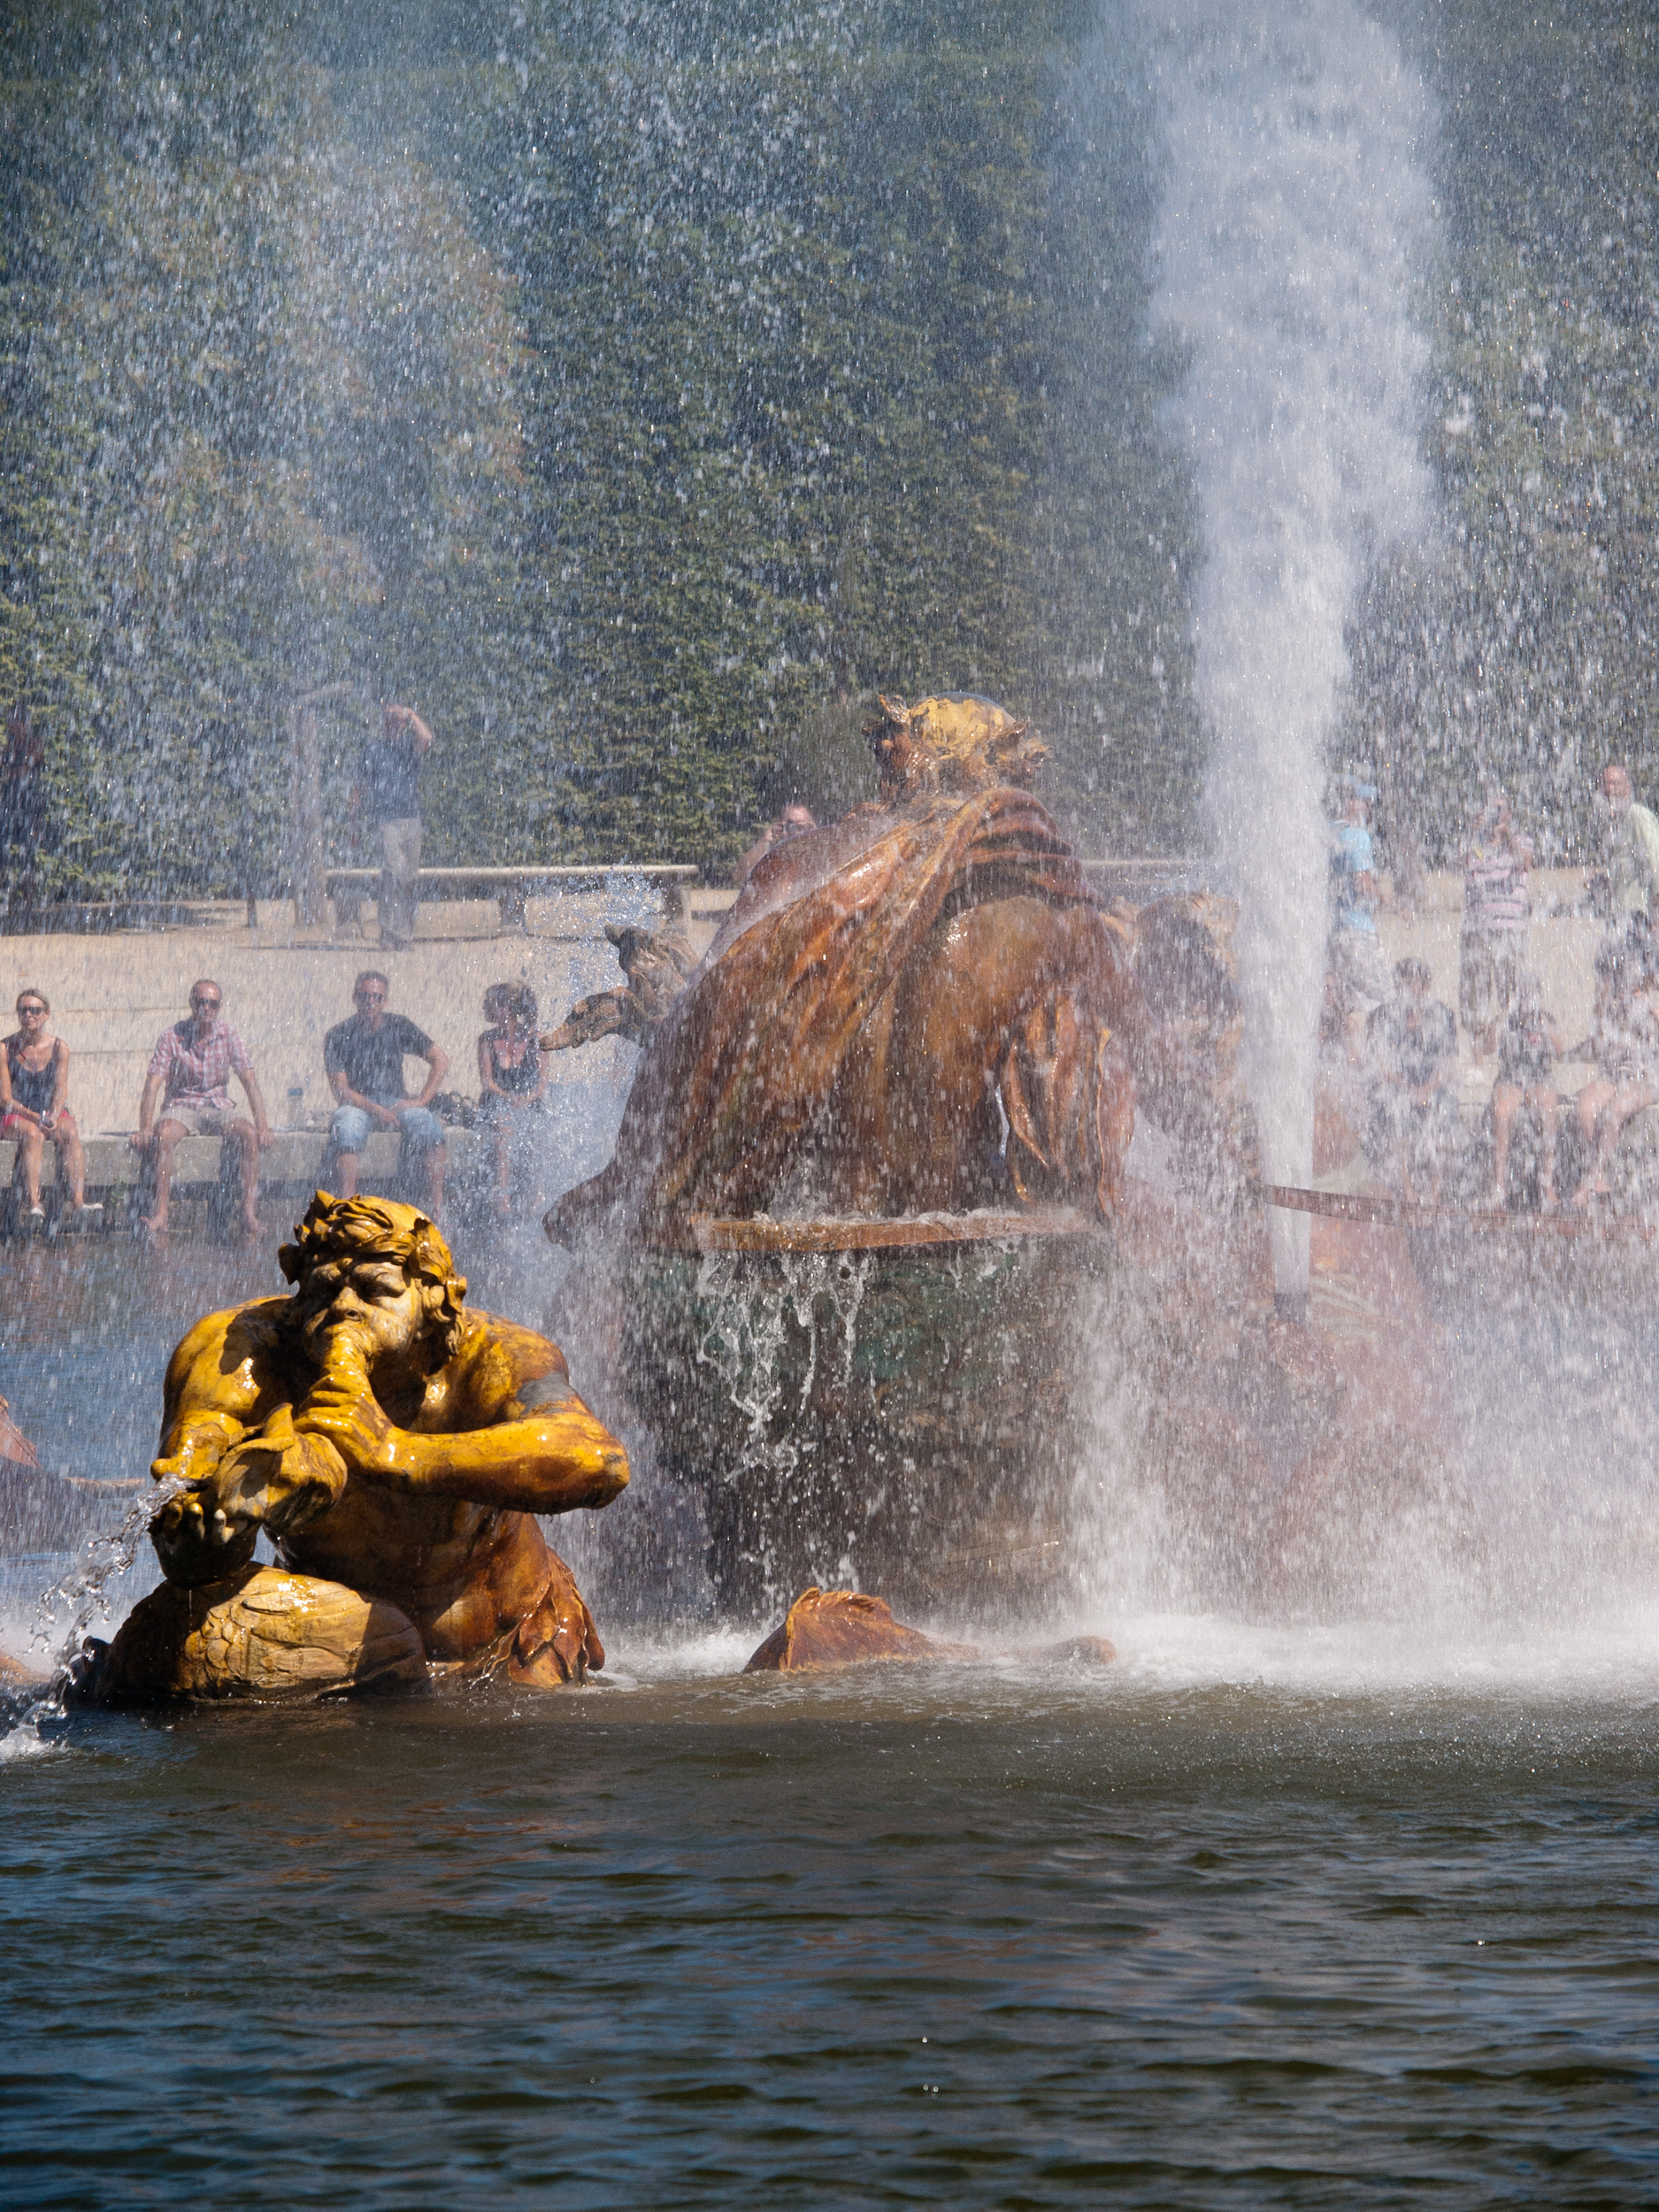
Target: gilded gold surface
395,1448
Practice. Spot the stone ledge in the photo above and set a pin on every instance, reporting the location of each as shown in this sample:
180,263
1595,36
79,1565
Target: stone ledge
292,1162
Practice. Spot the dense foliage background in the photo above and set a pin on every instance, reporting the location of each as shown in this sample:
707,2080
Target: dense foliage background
634,388
629,397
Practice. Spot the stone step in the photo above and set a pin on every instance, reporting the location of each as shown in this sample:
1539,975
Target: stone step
292,1162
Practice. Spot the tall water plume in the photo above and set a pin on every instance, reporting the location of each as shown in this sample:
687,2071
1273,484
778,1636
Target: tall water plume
1293,231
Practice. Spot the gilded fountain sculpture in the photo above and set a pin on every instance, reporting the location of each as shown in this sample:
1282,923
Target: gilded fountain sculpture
395,1447
870,1178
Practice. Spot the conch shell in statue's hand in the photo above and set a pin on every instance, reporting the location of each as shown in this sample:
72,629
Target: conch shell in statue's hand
273,1479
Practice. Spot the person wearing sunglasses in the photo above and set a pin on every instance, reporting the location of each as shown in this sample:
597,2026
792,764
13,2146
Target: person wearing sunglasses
189,1078
33,1086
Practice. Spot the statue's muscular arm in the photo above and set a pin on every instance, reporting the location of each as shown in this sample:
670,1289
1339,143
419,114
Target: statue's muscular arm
220,1384
227,1431
499,1426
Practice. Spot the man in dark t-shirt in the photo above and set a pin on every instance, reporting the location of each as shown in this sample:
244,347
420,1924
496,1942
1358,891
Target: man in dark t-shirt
364,1059
390,793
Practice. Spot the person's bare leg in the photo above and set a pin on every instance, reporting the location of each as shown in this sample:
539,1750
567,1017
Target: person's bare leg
241,1134
1624,1106
1589,1104
346,1166
1505,1098
1407,1189
503,1172
1545,1105
166,1140
31,1144
72,1162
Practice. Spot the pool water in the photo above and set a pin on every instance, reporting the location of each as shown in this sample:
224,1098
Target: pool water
1000,1935
1265,1913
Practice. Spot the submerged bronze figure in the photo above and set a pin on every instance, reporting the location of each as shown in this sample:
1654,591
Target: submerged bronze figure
915,1050
395,1447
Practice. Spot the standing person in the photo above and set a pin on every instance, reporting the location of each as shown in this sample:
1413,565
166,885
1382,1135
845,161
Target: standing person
190,1074
1528,1048
512,1077
1493,941
1633,833
364,1059
34,1108
1355,955
390,794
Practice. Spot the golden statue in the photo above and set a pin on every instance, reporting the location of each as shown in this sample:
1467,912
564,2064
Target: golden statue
396,1449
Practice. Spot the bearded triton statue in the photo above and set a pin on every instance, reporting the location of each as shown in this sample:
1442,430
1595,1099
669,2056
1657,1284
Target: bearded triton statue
923,1007
396,1449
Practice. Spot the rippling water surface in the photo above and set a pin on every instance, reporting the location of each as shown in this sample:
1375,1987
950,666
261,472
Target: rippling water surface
1263,1914
1004,1935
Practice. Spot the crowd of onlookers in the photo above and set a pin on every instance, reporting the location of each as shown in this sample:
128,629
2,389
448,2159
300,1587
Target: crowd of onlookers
187,1093
1393,1046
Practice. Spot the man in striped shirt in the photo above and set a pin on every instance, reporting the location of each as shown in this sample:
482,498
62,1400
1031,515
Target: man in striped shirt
1493,943
190,1076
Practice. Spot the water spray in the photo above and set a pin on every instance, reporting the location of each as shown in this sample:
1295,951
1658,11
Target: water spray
1295,219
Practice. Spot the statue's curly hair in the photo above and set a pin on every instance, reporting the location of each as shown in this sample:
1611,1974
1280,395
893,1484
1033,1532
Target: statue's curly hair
374,1228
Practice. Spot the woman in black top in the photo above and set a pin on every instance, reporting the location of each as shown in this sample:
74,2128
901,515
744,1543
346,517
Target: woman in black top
511,1076
33,1085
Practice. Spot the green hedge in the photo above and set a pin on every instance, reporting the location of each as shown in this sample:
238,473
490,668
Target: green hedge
637,390
721,374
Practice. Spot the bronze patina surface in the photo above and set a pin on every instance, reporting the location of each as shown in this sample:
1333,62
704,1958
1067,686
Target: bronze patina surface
868,1168
878,984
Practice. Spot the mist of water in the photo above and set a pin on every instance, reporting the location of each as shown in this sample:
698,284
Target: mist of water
1295,227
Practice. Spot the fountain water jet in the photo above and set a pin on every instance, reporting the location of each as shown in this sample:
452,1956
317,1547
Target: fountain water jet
1295,218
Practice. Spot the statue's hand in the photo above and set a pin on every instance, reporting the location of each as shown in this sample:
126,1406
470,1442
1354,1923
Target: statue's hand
196,1540
272,1479
342,1413
279,1478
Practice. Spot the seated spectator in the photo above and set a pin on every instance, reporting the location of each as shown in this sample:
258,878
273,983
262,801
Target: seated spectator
33,1089
1413,1116
1624,1045
190,1074
794,820
1528,1048
364,1060
512,1077
1493,941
